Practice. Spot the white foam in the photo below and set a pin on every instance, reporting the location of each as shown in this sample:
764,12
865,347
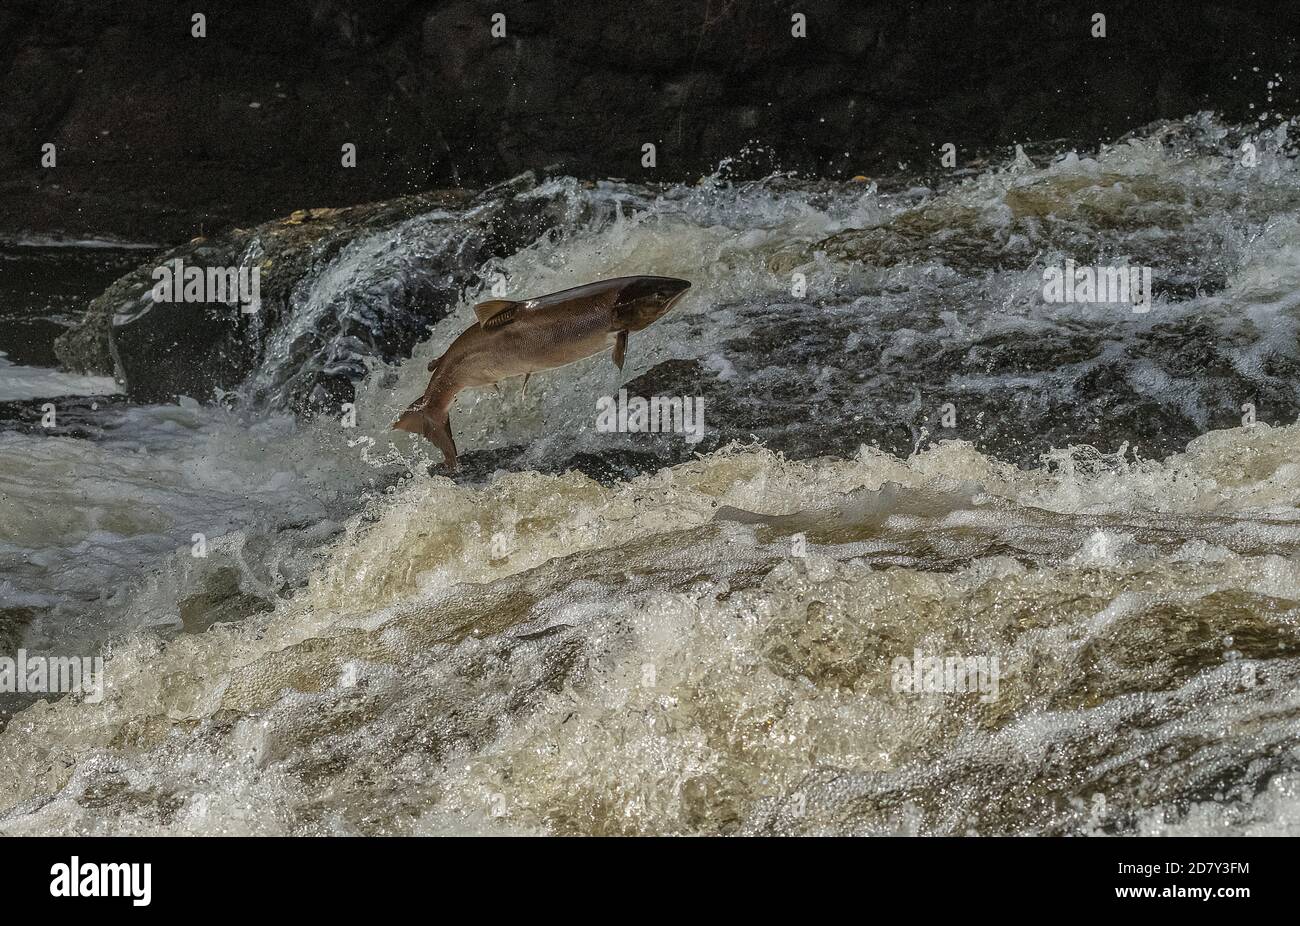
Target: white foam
19,383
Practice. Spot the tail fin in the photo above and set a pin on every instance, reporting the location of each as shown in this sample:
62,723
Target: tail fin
431,424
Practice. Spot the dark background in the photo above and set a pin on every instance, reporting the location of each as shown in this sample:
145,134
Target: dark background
157,138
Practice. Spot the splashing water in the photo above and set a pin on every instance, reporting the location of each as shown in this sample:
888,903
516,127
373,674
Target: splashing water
621,633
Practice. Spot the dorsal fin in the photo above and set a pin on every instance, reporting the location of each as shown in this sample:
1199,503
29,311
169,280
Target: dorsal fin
495,312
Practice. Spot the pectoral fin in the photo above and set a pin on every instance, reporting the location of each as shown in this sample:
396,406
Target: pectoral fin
496,312
525,390
620,349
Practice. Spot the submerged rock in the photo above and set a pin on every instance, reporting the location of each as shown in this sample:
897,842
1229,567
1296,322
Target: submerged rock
221,600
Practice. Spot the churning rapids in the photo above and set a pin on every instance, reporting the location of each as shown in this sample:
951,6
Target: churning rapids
613,633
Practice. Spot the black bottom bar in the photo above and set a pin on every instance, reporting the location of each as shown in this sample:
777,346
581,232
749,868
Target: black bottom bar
339,875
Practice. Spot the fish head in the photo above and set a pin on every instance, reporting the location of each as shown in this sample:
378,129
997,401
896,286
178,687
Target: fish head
644,300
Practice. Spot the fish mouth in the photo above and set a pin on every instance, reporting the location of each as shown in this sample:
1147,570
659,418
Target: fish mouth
676,297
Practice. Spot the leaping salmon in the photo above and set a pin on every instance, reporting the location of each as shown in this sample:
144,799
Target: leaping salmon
523,338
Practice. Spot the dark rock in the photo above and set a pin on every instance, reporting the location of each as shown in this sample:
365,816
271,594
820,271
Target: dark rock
162,136
14,622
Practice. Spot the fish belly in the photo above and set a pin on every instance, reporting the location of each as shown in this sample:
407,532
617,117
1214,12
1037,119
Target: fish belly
551,351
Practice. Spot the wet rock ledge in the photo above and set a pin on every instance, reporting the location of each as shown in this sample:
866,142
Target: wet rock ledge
433,243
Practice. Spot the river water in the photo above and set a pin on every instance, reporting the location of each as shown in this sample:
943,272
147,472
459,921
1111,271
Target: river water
909,453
